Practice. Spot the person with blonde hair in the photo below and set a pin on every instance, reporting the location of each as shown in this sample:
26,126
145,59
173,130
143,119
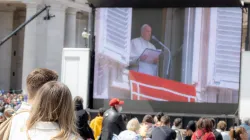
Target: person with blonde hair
52,115
238,133
133,127
34,81
221,127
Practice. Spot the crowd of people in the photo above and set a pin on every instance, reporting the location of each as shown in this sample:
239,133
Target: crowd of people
159,127
50,113
9,103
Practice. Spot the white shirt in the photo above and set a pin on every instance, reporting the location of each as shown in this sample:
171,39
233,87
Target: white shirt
224,134
19,121
127,135
40,131
138,45
178,133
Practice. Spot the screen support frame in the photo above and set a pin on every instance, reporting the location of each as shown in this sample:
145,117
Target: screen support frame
92,57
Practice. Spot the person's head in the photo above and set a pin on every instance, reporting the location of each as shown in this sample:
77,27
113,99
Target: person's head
222,125
133,125
191,126
53,103
238,134
213,122
78,99
157,117
165,121
78,103
117,104
205,124
37,78
246,121
8,112
147,119
101,112
178,123
146,32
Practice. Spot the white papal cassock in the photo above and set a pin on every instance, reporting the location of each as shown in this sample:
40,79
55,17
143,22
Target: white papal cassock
138,45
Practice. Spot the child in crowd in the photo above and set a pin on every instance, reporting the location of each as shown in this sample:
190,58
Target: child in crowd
96,123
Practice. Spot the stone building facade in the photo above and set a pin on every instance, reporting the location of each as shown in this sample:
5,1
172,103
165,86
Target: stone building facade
41,42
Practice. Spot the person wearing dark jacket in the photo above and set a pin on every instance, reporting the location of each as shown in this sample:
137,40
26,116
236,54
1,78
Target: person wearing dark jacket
164,132
113,122
217,134
82,118
190,129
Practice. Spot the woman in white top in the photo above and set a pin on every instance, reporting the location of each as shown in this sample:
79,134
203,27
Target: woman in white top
133,127
221,127
52,115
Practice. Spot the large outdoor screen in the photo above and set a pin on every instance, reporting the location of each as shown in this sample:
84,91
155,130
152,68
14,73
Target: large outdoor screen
170,54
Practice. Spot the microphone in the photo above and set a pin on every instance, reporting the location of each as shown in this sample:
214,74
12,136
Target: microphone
164,47
154,38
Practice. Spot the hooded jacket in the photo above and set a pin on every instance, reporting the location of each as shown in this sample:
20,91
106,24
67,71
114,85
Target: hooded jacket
96,125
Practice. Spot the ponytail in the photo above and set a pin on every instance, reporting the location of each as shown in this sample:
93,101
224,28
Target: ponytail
232,134
235,133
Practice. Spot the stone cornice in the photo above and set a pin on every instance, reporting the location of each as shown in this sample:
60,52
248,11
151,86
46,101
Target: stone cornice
72,11
76,5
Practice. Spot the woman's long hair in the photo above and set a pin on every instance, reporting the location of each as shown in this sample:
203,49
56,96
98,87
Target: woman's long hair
53,103
205,125
235,133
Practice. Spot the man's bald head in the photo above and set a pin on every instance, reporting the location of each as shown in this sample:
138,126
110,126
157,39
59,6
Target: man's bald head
146,31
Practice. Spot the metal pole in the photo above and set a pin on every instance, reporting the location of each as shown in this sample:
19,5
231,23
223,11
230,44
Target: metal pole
92,58
22,25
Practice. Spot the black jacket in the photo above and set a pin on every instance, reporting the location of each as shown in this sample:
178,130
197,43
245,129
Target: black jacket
163,133
217,135
82,122
112,124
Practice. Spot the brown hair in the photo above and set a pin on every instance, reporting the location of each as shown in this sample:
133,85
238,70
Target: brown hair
235,133
53,103
222,125
165,120
147,119
205,124
78,99
37,78
178,122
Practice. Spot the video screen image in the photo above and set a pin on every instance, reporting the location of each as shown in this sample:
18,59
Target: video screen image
170,54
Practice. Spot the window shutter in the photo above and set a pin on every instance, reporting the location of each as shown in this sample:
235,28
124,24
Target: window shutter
114,35
227,48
